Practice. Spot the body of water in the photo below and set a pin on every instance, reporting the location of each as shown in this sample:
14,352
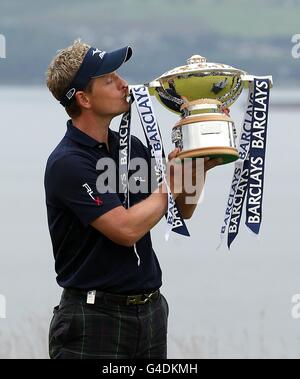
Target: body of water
222,304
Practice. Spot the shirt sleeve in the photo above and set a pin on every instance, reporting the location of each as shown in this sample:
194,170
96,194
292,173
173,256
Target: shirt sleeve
73,180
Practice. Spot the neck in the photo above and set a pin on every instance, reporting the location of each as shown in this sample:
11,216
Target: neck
95,127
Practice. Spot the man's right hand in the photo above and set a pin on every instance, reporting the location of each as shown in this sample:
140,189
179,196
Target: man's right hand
175,169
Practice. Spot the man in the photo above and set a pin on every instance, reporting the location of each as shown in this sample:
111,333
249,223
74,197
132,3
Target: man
111,307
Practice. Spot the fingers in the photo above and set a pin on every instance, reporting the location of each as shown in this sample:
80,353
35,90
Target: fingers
226,111
173,154
210,163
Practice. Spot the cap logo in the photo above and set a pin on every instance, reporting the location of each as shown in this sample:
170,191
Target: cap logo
100,52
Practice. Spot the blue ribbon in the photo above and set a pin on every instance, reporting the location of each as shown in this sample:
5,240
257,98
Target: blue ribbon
257,155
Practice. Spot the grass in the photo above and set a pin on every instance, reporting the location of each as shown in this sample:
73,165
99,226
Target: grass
253,35
30,341
245,18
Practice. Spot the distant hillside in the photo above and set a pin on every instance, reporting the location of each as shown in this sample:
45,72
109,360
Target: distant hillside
252,35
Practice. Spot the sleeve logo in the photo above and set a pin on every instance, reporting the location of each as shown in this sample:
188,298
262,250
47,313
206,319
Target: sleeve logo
96,199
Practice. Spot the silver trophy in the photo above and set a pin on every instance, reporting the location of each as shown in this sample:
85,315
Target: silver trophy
201,93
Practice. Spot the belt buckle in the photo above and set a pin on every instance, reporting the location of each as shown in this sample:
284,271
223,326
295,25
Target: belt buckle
137,300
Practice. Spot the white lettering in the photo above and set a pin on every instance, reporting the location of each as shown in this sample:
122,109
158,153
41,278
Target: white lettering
2,306
2,46
296,308
116,369
296,48
238,202
253,219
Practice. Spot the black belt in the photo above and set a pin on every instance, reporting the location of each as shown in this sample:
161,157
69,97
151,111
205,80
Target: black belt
114,298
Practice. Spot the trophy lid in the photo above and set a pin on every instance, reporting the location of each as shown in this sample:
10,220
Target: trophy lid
199,79
198,64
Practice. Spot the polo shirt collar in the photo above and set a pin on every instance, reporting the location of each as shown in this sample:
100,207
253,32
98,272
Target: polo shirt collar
79,136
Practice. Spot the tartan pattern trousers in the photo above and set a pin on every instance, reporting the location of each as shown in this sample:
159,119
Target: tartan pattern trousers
108,331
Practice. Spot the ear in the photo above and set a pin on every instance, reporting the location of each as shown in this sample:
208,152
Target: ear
83,99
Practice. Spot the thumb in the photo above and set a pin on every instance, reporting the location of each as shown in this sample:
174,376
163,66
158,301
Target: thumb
173,154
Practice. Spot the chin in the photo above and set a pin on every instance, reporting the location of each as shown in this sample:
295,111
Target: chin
125,108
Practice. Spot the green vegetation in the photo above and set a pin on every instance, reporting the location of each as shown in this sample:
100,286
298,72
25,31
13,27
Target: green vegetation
252,35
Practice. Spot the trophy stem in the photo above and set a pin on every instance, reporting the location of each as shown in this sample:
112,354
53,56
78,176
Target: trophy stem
205,131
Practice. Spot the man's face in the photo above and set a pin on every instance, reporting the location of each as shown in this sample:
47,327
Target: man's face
108,95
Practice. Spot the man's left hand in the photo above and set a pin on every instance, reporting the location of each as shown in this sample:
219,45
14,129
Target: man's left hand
210,163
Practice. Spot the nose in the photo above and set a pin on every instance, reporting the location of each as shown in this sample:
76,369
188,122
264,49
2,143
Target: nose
123,84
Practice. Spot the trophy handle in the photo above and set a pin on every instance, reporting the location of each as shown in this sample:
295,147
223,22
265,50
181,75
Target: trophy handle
152,86
246,79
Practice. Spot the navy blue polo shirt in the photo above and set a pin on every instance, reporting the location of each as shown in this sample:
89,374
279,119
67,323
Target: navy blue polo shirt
84,257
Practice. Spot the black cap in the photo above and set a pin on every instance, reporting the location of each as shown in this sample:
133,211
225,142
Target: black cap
95,63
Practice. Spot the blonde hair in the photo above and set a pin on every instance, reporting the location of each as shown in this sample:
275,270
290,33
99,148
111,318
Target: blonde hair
62,71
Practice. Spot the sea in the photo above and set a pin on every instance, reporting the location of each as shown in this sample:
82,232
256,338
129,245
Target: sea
223,304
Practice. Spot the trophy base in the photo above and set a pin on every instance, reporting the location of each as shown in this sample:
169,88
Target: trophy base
228,154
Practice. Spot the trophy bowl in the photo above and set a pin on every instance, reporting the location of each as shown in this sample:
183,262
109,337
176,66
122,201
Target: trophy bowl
201,93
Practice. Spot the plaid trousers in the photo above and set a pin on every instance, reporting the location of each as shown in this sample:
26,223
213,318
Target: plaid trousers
108,331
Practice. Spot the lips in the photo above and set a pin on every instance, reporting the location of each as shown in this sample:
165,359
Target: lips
128,98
